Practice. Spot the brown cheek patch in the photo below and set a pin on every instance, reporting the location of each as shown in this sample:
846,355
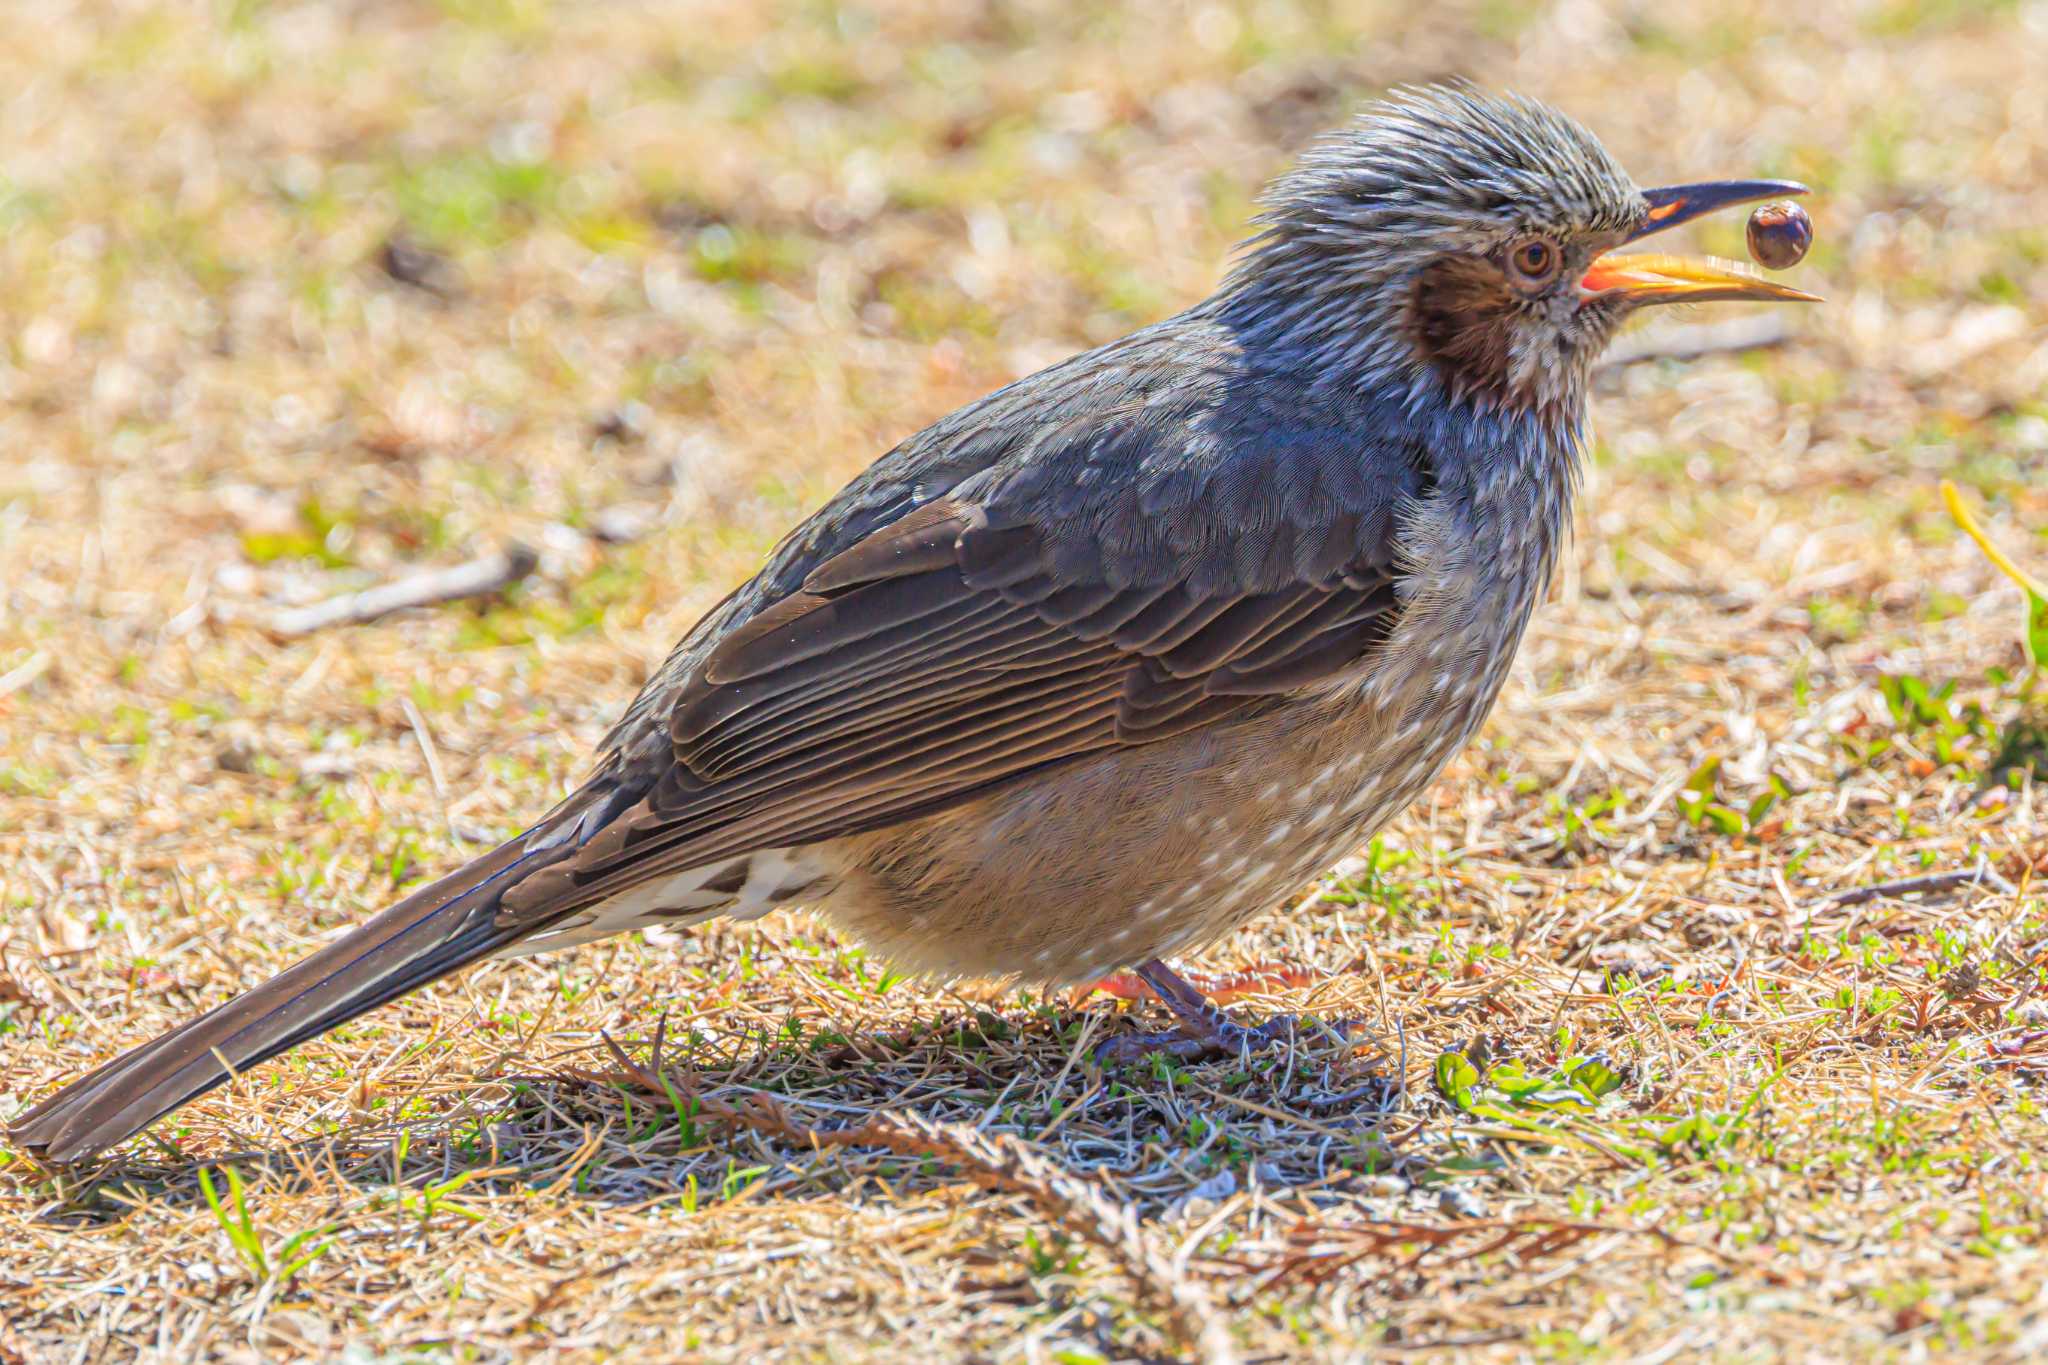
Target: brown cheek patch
1463,319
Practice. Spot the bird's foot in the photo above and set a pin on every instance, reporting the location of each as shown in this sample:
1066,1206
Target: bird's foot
1205,1030
1225,1038
1220,988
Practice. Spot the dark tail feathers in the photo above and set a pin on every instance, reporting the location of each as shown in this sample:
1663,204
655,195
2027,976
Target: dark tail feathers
424,937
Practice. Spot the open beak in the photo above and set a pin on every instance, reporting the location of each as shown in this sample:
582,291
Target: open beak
1649,278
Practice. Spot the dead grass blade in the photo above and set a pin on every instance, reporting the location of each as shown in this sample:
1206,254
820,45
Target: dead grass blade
997,1162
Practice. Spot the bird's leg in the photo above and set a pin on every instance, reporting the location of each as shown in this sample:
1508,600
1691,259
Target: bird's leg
1221,987
1205,1030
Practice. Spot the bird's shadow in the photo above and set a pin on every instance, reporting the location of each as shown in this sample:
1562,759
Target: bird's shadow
697,1122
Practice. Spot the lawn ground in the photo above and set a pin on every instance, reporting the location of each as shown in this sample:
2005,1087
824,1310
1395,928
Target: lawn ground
299,297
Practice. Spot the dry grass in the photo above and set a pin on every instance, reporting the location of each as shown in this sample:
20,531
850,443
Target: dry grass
300,296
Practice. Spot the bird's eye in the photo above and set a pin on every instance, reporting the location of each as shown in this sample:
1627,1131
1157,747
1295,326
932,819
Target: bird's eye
1534,260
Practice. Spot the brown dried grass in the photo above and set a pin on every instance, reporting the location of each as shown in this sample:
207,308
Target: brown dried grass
701,263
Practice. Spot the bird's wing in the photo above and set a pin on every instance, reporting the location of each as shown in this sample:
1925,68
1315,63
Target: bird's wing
1115,550
958,646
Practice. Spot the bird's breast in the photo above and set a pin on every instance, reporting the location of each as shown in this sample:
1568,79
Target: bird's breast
1139,852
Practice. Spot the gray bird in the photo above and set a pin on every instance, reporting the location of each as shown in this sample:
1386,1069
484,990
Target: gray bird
1098,667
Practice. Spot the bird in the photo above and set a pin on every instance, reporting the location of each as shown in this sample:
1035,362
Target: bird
1095,669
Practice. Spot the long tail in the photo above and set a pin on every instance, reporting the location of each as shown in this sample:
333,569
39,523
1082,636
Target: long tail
424,937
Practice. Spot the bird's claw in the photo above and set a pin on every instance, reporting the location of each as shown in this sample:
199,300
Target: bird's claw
1218,1037
1205,1030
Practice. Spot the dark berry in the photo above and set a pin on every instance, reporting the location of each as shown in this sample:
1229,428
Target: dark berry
1779,234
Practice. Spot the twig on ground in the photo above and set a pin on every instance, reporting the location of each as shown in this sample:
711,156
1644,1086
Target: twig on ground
1927,882
473,578
998,1162
1322,1250
26,672
623,524
1692,340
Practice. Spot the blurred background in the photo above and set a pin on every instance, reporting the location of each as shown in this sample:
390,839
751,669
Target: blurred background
298,298
298,292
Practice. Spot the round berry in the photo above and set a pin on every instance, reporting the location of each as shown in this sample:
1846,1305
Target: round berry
1779,234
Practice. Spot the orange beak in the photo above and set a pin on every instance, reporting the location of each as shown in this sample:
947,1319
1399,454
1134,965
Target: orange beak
1676,279
1679,279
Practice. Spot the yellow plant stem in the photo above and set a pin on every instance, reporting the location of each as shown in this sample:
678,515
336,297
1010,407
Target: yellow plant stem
1997,556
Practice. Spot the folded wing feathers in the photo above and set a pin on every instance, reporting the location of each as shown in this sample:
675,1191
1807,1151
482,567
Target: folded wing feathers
941,654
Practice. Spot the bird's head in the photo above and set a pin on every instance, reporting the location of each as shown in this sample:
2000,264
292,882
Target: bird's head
1454,243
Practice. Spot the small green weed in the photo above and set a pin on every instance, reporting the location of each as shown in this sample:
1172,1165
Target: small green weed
265,1262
